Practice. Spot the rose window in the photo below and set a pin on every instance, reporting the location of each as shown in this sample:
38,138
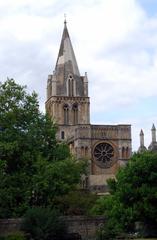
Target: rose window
103,154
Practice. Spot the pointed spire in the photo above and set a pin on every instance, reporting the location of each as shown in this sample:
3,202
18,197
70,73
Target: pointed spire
142,148
141,133
66,61
65,22
141,138
68,81
153,145
153,127
153,133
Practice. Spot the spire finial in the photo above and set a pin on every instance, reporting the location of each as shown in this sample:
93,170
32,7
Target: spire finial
65,21
142,148
141,138
141,132
153,127
153,133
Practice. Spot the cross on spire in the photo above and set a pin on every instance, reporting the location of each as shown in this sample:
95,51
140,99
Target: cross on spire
65,21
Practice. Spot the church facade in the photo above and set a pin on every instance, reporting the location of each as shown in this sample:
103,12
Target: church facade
107,147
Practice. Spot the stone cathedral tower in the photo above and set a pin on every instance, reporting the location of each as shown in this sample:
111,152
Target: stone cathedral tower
105,146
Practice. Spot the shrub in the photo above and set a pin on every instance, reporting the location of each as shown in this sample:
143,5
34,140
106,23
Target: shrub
43,224
109,231
2,238
69,205
14,236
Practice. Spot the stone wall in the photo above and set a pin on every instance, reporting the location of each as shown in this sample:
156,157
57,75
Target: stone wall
8,226
84,226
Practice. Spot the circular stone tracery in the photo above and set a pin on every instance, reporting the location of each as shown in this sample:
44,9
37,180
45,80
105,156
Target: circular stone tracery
103,155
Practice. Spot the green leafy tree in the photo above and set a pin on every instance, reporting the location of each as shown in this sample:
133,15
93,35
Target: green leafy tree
25,132
33,165
43,224
78,202
133,195
55,179
14,236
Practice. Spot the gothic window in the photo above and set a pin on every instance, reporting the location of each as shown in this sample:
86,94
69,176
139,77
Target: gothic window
103,155
70,86
82,151
86,151
62,135
75,113
66,114
127,152
123,152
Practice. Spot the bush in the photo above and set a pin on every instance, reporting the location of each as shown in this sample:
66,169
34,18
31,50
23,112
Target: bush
43,224
70,205
2,238
110,230
14,236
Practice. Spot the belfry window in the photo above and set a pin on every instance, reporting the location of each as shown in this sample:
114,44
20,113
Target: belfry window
70,86
66,114
75,113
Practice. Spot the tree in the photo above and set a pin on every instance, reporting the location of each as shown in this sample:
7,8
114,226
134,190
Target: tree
25,132
55,179
33,165
43,224
78,202
133,194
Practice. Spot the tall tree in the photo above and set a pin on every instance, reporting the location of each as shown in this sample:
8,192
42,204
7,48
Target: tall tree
30,156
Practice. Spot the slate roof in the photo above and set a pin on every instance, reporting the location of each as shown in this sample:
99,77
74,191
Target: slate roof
66,57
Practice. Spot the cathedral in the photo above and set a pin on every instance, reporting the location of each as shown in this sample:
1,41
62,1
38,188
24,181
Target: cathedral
106,147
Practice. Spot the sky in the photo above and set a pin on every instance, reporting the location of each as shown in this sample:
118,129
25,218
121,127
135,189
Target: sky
115,42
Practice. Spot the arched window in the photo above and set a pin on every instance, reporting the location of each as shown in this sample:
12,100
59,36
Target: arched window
127,152
62,135
66,114
75,113
82,151
86,151
123,152
70,86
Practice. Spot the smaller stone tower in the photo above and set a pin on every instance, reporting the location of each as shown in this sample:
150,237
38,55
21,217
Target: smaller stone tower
153,145
142,148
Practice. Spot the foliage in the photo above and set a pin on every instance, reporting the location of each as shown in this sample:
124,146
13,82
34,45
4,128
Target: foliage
111,230
136,188
34,167
133,195
14,236
77,202
43,224
55,179
61,151
25,135
25,132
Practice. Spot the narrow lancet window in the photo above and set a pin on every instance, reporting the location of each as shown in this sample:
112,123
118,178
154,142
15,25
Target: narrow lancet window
62,135
66,114
123,152
70,86
127,152
75,113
